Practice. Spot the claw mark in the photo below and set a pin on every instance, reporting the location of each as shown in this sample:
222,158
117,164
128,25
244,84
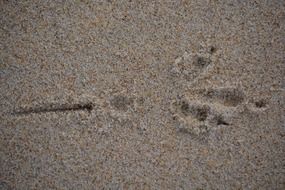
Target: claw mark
55,108
220,121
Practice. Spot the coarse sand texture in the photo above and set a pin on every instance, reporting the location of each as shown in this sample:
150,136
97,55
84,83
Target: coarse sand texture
142,94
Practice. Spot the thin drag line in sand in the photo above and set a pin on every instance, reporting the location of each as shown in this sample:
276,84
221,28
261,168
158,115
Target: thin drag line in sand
55,108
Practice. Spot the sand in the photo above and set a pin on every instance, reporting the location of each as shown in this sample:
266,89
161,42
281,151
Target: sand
142,94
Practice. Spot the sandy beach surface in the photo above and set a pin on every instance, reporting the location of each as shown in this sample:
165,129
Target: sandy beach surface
164,94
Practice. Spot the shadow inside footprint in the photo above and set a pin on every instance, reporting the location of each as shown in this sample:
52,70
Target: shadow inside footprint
199,133
200,112
198,65
261,103
231,97
213,50
121,102
185,109
202,62
190,66
4,186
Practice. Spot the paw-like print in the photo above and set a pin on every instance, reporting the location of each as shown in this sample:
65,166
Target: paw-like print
192,66
201,110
